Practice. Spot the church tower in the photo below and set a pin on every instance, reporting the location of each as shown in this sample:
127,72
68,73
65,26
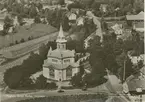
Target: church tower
61,41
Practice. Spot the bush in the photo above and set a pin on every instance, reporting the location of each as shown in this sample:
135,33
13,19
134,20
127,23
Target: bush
76,80
94,80
22,40
41,82
51,85
26,82
11,44
16,42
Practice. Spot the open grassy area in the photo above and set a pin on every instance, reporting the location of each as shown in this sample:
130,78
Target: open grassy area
35,31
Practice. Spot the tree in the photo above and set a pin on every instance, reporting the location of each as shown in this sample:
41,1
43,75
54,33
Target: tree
118,47
26,83
138,5
51,85
41,82
76,80
87,3
61,2
13,76
65,23
33,11
22,40
32,65
39,6
43,50
71,45
95,6
75,5
37,19
125,65
94,80
7,24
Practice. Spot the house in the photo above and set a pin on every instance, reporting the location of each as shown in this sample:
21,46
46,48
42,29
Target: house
138,26
80,21
136,21
136,82
103,7
136,18
67,2
60,64
136,59
16,23
118,29
1,26
72,17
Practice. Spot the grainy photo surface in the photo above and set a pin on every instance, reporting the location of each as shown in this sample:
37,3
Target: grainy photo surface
72,51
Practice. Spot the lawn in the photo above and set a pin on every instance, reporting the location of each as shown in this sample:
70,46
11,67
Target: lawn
35,31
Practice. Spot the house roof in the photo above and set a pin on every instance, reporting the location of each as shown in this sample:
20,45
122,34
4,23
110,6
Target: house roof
139,16
60,67
139,25
61,54
136,81
71,16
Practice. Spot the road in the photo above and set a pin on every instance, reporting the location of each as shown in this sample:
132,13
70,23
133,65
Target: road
98,31
46,93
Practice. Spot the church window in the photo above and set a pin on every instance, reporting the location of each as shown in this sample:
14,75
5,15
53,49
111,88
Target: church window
54,60
63,46
68,72
66,61
51,72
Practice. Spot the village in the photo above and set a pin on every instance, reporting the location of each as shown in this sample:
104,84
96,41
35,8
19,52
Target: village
72,48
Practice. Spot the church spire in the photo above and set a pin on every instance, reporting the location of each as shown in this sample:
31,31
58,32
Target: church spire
49,52
61,37
61,41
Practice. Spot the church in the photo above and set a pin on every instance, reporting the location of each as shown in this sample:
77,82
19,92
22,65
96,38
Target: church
60,64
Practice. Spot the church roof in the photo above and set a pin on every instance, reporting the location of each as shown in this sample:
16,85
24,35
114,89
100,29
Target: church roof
60,67
61,54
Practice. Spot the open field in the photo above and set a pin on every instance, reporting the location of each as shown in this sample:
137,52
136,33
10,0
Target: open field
35,31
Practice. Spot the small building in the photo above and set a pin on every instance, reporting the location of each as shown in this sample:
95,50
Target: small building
80,21
60,64
136,20
103,7
136,59
139,26
136,82
72,17
118,30
1,26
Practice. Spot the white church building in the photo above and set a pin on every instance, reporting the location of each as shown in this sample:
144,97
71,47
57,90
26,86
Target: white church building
60,64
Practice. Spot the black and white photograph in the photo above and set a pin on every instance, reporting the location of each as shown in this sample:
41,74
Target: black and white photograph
72,51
